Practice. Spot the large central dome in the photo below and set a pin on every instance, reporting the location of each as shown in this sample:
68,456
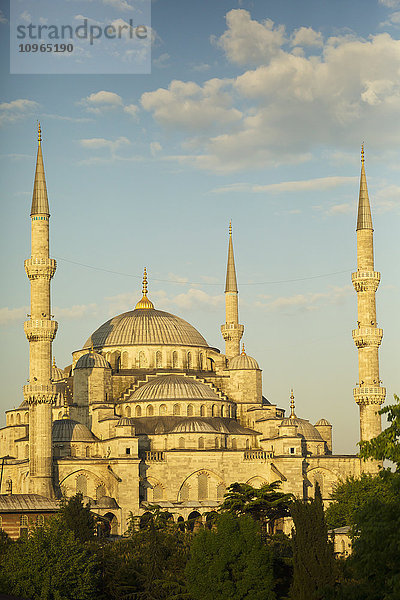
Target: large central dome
145,327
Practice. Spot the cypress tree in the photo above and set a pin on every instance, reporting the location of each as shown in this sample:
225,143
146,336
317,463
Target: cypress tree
313,559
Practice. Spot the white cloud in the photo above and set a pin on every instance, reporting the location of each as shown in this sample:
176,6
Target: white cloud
78,311
305,302
317,184
161,61
196,298
101,101
247,41
132,110
17,109
390,3
2,17
102,143
7,315
306,36
155,148
191,107
119,5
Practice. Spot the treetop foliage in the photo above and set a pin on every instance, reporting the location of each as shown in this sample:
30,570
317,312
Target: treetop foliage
387,444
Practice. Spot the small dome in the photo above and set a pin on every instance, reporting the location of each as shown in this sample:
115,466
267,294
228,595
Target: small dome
304,428
125,421
92,360
193,426
57,374
243,362
67,430
174,387
323,423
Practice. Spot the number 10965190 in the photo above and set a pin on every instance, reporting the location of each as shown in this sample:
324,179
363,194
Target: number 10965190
46,47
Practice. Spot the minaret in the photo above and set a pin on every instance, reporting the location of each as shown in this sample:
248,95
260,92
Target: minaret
40,393
369,394
232,332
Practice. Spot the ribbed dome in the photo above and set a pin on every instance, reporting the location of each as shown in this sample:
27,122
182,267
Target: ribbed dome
174,387
323,422
243,361
194,426
56,373
304,428
145,327
67,430
92,360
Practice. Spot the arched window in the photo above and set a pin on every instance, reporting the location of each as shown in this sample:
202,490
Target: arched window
229,412
177,409
201,361
9,486
149,411
189,360
124,360
157,492
181,443
220,491
27,417
40,520
163,409
87,451
247,444
128,411
214,410
11,419
138,411
18,419
73,451
158,360
185,493
202,486
100,492
81,485
201,443
142,360
23,521
216,442
319,480
222,410
190,410
234,444
202,410
343,547
60,415
174,360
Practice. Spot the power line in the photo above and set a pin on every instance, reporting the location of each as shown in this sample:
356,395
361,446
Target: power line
201,282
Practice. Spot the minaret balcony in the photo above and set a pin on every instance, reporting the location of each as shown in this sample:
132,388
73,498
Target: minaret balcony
366,281
232,331
367,336
40,330
369,394
40,268
39,393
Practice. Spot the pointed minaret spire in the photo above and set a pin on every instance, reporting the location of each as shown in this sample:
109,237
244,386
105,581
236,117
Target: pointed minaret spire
40,203
364,219
368,394
232,331
144,303
40,393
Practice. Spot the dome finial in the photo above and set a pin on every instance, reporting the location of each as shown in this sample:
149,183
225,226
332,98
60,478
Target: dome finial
292,413
144,303
54,361
66,410
243,350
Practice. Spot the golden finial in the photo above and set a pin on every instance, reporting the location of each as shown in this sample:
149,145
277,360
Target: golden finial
230,227
91,348
66,410
362,153
39,133
144,302
54,361
292,413
243,350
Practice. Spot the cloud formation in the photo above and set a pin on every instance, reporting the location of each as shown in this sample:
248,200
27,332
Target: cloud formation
16,110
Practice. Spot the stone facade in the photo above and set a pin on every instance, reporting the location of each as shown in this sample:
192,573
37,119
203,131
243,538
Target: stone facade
148,412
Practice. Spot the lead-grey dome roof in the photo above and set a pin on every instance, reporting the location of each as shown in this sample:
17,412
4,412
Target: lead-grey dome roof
145,327
92,360
243,361
304,428
174,387
67,430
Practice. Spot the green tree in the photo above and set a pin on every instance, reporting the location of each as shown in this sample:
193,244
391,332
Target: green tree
78,518
350,495
50,564
313,560
266,504
230,562
386,446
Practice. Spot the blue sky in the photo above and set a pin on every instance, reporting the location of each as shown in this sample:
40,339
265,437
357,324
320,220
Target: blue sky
255,112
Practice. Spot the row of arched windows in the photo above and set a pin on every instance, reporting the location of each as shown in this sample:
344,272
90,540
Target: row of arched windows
189,410
19,418
204,491
176,360
218,443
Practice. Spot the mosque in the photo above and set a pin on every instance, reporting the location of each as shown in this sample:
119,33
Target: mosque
148,412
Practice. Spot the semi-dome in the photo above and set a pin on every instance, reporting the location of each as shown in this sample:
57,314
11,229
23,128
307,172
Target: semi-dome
323,423
174,387
125,421
304,428
92,360
145,326
194,426
243,362
67,430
